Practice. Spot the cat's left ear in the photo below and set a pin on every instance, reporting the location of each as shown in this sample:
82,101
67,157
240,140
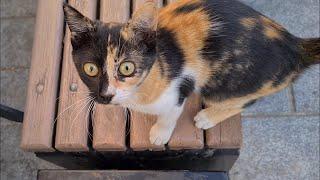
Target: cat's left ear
77,22
143,23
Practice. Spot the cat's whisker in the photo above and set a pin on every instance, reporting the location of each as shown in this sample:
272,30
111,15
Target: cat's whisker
76,103
128,121
131,55
88,115
77,108
77,92
82,92
91,112
118,53
123,45
82,108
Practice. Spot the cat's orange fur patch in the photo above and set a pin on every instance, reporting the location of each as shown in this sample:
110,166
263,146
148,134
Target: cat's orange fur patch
192,27
221,110
153,86
268,22
248,22
271,30
129,82
272,33
239,102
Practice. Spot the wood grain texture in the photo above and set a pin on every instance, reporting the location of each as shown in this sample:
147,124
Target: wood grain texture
140,123
43,77
140,126
109,122
73,112
114,10
109,129
226,135
139,3
186,135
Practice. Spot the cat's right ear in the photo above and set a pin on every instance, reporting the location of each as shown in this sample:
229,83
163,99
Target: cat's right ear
77,22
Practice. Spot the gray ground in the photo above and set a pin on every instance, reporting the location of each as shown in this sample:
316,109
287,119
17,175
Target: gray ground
281,132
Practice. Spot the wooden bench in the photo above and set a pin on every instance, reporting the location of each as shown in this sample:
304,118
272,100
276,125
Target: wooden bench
56,120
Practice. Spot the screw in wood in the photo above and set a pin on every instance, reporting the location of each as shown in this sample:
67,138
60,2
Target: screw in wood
73,87
39,88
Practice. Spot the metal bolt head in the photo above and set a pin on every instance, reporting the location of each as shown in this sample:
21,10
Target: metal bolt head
39,88
73,87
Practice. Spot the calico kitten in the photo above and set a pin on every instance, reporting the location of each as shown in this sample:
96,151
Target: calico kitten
222,50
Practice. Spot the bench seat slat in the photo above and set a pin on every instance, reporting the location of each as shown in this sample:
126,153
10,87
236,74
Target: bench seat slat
43,78
226,135
109,122
186,135
73,113
139,132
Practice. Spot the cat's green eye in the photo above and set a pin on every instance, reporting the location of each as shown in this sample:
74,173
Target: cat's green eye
126,68
91,69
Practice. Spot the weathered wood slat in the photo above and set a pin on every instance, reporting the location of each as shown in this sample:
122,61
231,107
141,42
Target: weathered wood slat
139,3
139,132
43,79
109,122
114,11
227,134
109,128
142,123
73,112
186,135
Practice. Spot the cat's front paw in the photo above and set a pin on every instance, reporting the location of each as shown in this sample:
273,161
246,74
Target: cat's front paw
202,121
159,135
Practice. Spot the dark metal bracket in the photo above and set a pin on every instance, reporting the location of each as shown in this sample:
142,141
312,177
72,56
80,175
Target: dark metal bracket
220,160
11,114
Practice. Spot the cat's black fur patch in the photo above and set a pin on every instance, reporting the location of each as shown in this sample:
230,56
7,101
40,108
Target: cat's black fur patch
171,52
250,103
261,60
91,47
186,87
188,8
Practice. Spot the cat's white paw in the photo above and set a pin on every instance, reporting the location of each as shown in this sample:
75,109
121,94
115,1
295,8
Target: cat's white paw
202,121
159,135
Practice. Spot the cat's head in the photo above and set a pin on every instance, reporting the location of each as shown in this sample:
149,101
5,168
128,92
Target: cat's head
113,59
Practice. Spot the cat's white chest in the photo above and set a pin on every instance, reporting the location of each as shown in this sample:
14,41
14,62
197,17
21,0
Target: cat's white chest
164,103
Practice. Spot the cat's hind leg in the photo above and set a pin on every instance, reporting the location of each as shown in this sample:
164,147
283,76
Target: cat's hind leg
216,112
209,117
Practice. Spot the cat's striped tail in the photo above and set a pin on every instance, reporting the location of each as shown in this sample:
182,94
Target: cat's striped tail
311,49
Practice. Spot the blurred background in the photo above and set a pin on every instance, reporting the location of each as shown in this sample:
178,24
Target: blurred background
280,132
